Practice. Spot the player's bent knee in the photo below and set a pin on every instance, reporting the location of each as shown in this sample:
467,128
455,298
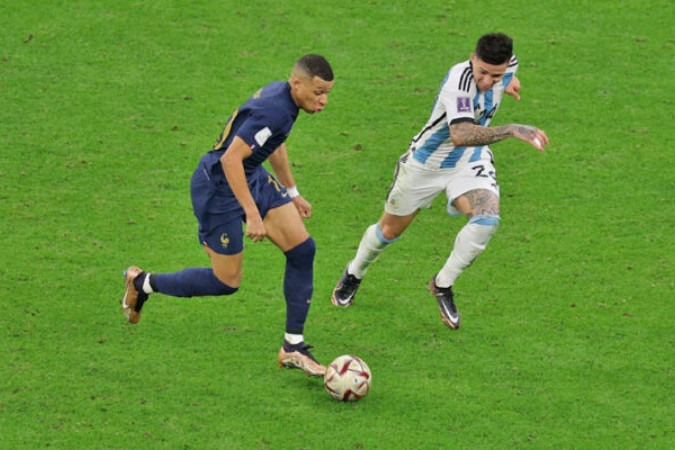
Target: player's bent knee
302,253
386,234
488,224
486,219
232,280
310,247
223,287
307,249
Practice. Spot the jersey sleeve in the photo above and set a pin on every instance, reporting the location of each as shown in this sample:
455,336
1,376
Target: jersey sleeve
259,127
510,71
456,96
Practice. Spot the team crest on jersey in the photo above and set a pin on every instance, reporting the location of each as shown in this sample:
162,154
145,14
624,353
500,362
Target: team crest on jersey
463,104
392,201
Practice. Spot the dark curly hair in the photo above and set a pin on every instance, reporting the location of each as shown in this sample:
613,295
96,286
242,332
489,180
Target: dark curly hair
494,48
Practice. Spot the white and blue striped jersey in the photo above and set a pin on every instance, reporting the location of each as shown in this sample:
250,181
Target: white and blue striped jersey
458,99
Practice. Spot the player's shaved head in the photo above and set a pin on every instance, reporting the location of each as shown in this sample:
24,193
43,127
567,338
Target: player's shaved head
495,48
311,66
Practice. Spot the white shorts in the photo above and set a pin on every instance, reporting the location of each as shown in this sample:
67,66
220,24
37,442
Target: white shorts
416,186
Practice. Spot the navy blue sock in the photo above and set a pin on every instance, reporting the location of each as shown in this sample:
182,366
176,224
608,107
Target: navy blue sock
299,285
190,283
138,284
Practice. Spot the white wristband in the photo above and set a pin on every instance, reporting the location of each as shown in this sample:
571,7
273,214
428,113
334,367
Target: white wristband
293,191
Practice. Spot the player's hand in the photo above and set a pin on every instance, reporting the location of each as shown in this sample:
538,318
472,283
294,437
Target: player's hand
532,135
303,207
255,228
513,89
540,140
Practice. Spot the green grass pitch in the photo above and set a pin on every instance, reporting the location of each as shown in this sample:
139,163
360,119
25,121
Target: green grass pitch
567,338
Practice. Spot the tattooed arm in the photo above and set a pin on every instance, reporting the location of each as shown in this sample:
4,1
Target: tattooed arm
469,134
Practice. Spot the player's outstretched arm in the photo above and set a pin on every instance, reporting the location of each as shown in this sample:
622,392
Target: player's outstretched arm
469,134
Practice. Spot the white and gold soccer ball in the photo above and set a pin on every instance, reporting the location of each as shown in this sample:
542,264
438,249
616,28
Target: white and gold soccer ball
347,378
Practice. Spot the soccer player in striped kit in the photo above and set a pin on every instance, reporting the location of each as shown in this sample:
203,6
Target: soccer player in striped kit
230,187
451,154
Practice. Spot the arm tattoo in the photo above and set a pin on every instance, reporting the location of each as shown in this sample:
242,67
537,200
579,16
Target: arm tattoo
466,133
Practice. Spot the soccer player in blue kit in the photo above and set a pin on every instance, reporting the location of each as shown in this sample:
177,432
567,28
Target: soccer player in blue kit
230,186
450,154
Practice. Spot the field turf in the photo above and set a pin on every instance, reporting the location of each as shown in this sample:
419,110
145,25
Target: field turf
567,338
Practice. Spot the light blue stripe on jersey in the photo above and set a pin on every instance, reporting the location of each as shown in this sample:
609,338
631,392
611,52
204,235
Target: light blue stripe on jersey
431,145
451,160
507,79
489,102
475,156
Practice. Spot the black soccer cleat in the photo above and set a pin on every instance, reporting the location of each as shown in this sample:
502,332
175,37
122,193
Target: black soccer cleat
345,291
446,304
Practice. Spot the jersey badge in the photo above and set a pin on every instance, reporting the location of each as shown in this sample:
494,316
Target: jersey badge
463,104
262,136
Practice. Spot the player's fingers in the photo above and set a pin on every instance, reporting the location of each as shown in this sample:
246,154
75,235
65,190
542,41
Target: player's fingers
536,142
513,92
255,235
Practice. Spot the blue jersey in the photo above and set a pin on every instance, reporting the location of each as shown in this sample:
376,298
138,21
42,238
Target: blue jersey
263,122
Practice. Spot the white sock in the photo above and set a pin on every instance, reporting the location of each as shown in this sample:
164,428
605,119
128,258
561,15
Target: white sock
371,245
294,339
146,284
470,242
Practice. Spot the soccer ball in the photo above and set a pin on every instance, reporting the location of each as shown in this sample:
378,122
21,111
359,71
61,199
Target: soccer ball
347,378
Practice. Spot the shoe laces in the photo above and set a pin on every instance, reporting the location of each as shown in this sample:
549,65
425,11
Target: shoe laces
301,348
350,281
446,296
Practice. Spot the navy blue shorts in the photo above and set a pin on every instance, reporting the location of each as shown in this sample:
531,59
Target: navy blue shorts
220,215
